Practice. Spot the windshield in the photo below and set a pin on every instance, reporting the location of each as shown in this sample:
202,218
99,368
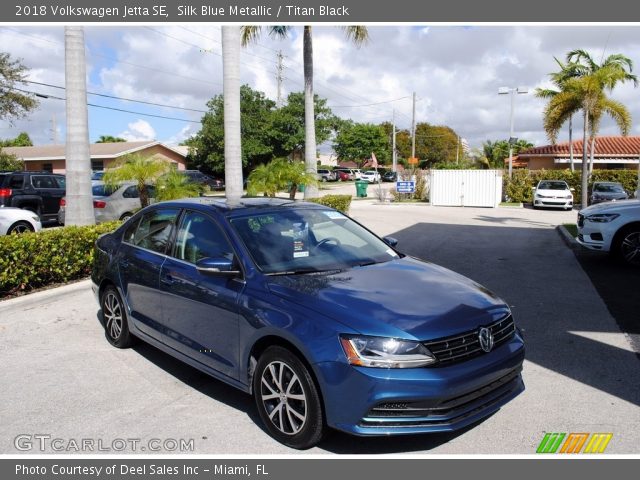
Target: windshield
608,188
102,190
309,240
553,186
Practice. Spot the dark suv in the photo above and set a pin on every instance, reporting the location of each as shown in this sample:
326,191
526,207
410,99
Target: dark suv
200,178
39,192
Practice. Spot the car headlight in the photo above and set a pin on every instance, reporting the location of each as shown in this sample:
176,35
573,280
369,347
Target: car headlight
383,352
569,197
602,217
35,218
540,196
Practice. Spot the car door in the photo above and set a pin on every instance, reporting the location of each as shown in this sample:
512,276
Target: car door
140,258
201,309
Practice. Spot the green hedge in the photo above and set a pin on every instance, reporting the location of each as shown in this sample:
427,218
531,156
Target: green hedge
339,202
519,187
34,260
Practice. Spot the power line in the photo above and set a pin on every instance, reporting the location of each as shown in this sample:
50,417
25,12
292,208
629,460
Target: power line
368,104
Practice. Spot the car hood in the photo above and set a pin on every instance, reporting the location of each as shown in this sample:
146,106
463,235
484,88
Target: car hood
609,194
404,298
554,193
620,206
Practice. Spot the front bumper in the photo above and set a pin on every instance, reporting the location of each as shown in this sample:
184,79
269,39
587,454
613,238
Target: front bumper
553,202
372,401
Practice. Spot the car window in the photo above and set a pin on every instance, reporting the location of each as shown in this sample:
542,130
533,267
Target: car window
43,181
553,186
102,190
608,188
131,192
200,237
16,181
62,182
153,232
309,240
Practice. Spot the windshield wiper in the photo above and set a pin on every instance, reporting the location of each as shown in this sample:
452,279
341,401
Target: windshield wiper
303,272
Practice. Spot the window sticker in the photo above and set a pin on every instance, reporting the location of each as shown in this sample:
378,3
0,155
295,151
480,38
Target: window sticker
300,240
392,253
333,215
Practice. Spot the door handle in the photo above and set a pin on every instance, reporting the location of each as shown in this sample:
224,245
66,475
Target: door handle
167,280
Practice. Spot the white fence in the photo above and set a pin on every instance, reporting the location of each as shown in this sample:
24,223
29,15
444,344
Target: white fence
466,188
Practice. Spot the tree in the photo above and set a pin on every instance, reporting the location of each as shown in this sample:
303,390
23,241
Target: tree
78,159
22,140
137,168
9,162
496,152
174,185
586,92
434,143
358,34
14,104
356,141
232,132
278,175
288,130
208,145
110,139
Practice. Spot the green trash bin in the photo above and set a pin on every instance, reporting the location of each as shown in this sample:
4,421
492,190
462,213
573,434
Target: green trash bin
361,188
301,187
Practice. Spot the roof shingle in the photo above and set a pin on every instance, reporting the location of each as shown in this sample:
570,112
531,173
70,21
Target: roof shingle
614,146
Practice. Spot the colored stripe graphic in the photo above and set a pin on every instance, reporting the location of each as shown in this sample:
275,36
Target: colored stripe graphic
550,442
598,442
574,443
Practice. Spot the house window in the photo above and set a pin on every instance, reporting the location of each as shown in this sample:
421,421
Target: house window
97,165
47,167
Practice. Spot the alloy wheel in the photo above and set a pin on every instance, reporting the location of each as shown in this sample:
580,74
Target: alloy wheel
630,248
283,398
112,312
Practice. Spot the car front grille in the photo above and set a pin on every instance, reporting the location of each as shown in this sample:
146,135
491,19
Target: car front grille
462,347
580,220
443,412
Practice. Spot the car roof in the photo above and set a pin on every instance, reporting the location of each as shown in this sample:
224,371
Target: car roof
245,206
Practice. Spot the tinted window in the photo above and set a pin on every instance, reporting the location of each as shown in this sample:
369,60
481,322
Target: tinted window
43,181
553,186
102,190
131,192
608,188
62,182
16,181
154,230
199,237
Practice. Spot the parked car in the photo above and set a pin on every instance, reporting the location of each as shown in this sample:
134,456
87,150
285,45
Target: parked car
39,192
553,194
18,220
607,192
390,176
326,175
370,176
97,175
109,203
344,176
281,300
196,176
612,227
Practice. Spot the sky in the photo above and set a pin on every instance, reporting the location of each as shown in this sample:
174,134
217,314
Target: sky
456,72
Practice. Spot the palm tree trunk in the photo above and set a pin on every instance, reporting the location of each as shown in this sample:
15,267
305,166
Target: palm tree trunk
585,169
231,94
593,149
310,191
78,158
571,143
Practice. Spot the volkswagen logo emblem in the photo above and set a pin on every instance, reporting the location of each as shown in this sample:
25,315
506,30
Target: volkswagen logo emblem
486,339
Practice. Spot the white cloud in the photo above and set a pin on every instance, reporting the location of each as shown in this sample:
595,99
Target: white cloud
138,131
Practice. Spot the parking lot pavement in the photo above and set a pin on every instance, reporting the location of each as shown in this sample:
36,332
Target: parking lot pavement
60,377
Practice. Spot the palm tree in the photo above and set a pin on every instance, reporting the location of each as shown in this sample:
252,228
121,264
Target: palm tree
231,94
174,185
137,168
587,94
78,159
358,34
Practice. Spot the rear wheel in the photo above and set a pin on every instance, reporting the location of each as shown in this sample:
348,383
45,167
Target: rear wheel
627,245
20,227
114,317
126,216
287,399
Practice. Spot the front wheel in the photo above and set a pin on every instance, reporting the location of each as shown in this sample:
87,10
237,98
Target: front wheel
287,399
114,317
627,245
20,227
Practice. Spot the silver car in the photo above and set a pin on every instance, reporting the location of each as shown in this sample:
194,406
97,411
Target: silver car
112,204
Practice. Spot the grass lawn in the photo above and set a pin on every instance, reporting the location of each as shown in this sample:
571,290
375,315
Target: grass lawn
572,228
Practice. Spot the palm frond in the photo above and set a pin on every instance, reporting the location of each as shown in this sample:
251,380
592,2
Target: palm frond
249,34
618,112
358,34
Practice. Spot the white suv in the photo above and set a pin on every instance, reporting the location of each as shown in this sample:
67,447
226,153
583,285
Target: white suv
612,227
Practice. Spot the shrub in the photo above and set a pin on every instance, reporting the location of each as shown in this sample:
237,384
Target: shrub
339,202
34,260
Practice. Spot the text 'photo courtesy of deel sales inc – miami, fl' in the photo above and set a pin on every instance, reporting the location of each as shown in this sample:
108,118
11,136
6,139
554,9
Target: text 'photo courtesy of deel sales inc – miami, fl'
117,469
208,11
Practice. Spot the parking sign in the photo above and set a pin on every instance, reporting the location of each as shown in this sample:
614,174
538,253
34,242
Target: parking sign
406,187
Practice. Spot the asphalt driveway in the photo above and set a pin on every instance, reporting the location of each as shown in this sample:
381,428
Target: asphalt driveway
61,378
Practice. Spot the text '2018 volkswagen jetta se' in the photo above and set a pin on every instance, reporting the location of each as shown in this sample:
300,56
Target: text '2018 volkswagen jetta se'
324,323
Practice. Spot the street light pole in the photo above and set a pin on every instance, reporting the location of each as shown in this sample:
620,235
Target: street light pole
512,139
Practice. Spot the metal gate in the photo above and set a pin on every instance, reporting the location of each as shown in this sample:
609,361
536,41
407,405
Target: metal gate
466,188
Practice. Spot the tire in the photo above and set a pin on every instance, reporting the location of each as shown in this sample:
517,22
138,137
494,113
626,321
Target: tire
627,245
114,316
20,227
280,374
126,216
324,179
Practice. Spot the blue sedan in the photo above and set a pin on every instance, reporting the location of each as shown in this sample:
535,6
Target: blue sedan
324,323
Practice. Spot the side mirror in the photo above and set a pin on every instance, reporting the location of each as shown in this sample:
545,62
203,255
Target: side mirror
572,189
216,266
392,242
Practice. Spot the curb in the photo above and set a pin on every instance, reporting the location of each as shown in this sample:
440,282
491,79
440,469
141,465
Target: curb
567,238
55,292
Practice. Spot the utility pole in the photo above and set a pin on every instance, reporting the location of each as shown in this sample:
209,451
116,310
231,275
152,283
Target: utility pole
54,130
279,77
413,128
393,151
458,150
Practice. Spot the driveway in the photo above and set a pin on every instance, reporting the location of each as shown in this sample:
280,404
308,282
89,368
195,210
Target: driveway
60,377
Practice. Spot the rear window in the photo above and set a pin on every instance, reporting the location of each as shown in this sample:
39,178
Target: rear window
16,181
102,190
